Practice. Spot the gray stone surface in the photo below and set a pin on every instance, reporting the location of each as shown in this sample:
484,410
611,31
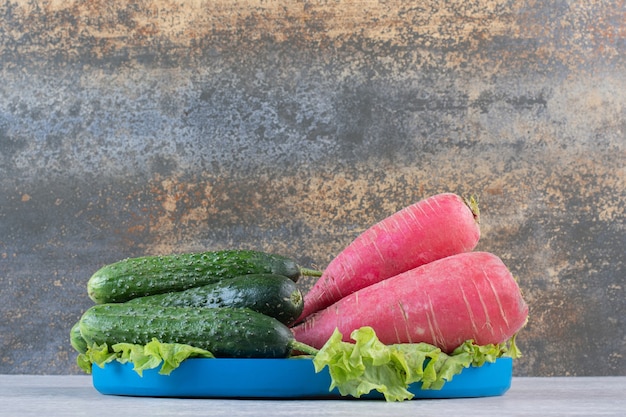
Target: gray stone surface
156,127
27,395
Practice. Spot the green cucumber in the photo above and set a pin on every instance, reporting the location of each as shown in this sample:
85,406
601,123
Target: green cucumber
137,277
273,295
76,339
225,331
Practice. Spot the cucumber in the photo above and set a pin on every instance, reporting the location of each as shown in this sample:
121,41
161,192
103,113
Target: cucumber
273,295
137,277
225,332
76,339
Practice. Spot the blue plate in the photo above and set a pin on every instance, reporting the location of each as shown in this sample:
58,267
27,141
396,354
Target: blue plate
276,378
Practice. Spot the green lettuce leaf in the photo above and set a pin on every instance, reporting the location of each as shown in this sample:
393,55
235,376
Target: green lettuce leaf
149,356
367,365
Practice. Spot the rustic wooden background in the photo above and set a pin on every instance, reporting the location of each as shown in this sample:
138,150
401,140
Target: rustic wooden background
150,127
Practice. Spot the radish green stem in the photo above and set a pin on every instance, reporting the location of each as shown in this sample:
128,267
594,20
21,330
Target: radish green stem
472,203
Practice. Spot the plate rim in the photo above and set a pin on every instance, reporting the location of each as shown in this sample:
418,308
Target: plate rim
288,378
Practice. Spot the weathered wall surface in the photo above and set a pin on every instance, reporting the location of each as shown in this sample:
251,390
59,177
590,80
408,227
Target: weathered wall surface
147,127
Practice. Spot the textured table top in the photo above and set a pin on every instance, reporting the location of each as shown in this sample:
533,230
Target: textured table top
27,395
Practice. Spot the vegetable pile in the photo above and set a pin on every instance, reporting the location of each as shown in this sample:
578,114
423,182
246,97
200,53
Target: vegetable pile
409,300
164,309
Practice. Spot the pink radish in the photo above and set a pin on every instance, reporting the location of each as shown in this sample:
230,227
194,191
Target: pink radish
430,229
446,302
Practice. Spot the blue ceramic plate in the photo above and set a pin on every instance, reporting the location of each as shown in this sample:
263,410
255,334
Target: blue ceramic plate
276,378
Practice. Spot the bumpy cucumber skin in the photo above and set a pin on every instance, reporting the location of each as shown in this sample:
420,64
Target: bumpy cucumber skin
225,332
76,339
137,277
273,295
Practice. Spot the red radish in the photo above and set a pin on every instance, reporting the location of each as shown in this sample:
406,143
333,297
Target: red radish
446,302
430,229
